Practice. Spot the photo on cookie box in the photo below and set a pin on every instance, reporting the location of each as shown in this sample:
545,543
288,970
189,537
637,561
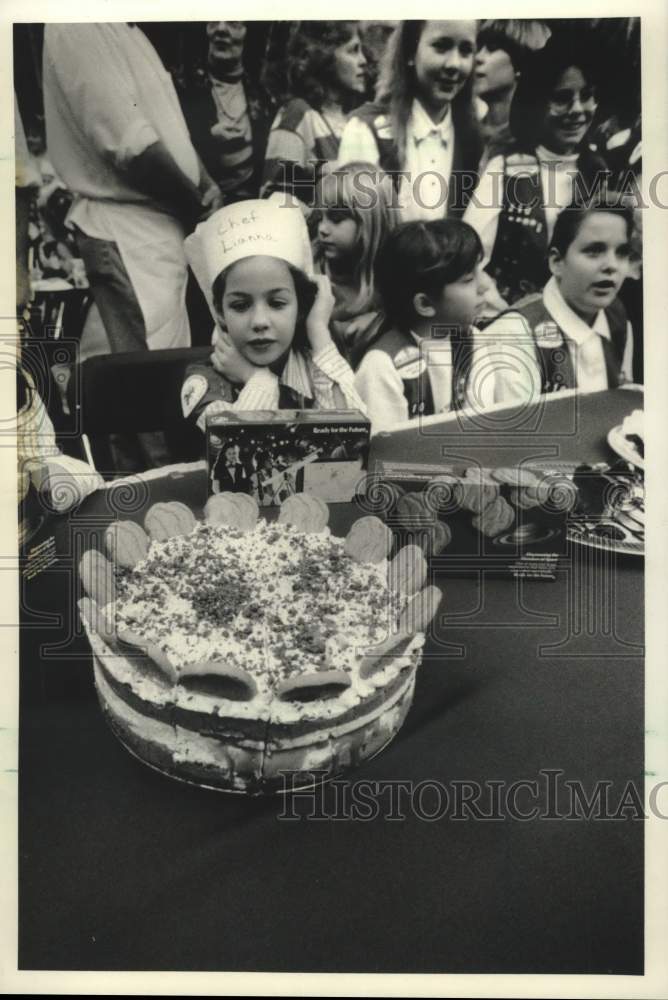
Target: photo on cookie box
272,455
508,520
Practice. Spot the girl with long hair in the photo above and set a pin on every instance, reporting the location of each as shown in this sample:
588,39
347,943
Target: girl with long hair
355,214
423,121
503,46
326,77
548,165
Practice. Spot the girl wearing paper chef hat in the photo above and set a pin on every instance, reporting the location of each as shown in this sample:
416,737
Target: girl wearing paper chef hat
272,345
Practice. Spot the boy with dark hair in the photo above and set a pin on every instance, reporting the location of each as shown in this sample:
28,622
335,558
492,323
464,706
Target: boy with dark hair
574,334
431,359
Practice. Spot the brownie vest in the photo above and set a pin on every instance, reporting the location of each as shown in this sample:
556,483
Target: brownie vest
412,368
519,258
464,176
220,388
554,361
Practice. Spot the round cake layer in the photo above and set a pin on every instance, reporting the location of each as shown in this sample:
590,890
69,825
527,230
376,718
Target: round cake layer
228,657
230,761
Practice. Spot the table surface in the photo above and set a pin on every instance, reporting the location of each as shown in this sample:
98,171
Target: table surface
123,868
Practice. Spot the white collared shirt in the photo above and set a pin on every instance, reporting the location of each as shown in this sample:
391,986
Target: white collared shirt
584,342
429,152
429,157
514,346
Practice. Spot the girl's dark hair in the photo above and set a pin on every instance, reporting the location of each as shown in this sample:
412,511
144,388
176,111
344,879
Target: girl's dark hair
310,58
539,77
397,89
515,36
423,257
305,290
570,219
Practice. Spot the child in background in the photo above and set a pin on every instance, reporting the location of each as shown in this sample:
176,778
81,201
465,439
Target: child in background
356,213
432,359
273,348
503,46
423,120
575,333
326,77
548,165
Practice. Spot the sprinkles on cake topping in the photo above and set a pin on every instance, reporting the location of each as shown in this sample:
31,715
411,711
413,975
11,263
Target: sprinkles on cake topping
274,601
235,653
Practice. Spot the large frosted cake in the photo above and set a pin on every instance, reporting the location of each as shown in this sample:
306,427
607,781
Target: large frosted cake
237,653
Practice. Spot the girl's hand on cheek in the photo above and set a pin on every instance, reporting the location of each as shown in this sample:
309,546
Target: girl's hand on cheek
317,321
229,361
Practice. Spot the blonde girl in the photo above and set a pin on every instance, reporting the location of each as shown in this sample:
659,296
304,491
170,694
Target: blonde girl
356,210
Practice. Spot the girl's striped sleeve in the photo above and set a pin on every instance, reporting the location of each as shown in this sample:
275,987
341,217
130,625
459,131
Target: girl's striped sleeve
334,381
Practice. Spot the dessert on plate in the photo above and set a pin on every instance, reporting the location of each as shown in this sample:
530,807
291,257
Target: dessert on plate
231,650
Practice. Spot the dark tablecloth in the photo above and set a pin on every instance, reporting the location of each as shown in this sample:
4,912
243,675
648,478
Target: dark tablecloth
122,868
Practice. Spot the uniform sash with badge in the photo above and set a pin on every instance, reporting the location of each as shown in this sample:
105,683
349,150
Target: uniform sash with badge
411,365
519,259
552,353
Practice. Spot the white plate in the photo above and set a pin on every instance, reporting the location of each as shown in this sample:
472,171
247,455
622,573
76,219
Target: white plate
585,531
624,448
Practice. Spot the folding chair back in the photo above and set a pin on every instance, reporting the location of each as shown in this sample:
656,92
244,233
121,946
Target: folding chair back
134,392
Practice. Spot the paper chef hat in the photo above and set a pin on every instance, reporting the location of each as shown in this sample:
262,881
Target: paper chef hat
265,227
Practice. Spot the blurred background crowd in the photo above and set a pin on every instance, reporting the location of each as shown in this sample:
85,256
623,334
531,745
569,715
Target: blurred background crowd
245,109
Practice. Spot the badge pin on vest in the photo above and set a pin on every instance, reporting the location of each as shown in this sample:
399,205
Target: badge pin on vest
547,334
409,363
